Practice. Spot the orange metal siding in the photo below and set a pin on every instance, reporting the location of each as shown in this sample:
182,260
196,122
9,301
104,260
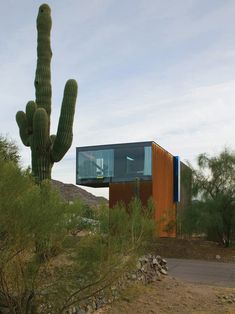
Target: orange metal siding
160,189
124,192
162,181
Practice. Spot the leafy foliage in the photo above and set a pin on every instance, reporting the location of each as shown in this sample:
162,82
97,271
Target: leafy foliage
28,215
214,187
8,150
104,255
35,222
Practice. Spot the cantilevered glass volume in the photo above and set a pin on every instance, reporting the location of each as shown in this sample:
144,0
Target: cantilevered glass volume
97,166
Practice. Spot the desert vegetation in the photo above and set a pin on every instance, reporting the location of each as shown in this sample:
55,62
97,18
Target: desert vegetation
53,254
212,212
45,266
34,123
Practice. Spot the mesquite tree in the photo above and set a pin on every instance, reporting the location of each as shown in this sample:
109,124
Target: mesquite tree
213,210
34,123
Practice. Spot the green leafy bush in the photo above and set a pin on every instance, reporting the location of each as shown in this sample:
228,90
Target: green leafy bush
29,214
101,257
8,150
35,222
213,211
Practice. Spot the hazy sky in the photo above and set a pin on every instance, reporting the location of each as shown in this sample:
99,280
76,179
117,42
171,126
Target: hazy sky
161,70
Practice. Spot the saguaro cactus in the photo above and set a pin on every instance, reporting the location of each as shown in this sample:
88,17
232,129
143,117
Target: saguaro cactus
34,123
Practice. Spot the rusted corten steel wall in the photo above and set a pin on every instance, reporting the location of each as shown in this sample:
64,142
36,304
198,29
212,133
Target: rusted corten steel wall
162,189
124,192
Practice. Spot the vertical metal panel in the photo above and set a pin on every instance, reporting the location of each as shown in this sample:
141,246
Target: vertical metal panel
176,178
162,181
120,192
125,192
160,189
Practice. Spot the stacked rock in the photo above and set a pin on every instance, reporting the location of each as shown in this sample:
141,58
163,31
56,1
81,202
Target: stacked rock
150,268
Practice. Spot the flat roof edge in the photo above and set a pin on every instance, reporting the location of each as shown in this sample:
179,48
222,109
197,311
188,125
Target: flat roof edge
102,146
113,145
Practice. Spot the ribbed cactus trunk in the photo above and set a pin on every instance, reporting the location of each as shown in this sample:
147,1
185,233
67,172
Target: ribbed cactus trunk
34,124
41,165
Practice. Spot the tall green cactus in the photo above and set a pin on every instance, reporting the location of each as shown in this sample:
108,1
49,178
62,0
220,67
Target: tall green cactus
34,123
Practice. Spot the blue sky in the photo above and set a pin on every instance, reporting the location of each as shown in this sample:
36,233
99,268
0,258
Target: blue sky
161,70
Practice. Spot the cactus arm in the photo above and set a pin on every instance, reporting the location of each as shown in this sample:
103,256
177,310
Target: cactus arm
21,120
34,124
40,130
64,134
42,81
30,110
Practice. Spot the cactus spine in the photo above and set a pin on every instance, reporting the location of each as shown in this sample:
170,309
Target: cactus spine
34,123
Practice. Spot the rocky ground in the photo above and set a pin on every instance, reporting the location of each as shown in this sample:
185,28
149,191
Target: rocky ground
171,295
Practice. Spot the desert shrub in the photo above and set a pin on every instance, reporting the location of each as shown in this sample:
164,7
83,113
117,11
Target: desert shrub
82,217
29,214
9,150
35,222
103,256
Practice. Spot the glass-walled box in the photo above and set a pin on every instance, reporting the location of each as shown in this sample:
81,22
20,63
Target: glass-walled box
97,166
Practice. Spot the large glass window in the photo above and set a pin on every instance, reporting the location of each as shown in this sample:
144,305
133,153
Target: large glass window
132,162
100,165
95,164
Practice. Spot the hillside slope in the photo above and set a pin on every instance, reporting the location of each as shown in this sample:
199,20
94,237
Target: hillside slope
70,192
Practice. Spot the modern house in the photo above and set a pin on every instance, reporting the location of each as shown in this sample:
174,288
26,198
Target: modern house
142,169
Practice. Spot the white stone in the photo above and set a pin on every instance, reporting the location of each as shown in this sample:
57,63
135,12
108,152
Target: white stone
163,271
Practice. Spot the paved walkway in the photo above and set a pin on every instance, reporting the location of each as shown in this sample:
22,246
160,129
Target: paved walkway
205,272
